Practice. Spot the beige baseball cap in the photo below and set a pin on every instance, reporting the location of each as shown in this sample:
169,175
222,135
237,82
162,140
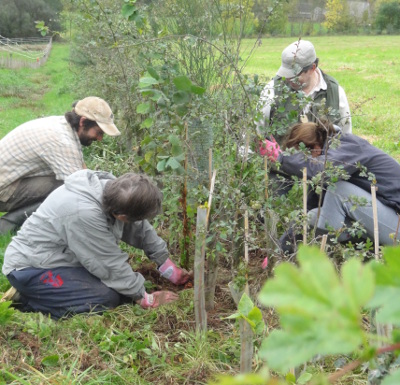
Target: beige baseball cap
98,110
295,57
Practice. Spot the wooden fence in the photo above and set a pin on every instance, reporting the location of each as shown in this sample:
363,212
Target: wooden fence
24,52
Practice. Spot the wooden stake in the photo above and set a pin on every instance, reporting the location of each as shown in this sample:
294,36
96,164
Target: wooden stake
199,261
246,334
375,214
323,242
212,261
305,224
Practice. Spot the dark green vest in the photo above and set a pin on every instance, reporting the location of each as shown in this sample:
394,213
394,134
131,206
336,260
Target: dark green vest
288,104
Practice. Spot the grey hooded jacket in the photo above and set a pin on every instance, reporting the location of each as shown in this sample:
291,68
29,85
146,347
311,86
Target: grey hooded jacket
71,229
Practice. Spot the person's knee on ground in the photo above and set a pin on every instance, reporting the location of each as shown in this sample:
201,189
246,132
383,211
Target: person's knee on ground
62,291
13,220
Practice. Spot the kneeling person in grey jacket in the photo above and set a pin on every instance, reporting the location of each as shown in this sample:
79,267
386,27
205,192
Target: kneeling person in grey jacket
66,259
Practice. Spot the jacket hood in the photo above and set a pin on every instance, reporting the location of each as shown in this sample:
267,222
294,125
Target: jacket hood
88,183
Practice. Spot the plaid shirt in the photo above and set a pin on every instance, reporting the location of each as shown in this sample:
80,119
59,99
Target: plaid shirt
46,146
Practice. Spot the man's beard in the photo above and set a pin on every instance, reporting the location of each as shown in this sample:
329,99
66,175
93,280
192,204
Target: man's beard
86,141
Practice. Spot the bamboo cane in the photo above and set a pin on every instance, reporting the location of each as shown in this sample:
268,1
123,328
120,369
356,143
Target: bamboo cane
266,176
305,224
383,331
375,214
397,231
210,196
210,165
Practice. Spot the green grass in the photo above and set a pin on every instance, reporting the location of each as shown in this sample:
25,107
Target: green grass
367,67
129,345
27,94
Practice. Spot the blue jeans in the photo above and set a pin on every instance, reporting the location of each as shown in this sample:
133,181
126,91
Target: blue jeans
337,211
62,291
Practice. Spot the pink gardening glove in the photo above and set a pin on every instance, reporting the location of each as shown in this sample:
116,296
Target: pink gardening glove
265,263
173,273
157,299
270,148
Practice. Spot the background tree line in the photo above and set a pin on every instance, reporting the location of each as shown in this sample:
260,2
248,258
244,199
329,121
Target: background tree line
285,17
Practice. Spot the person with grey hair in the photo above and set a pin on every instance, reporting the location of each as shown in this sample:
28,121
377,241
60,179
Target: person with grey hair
301,92
38,155
66,259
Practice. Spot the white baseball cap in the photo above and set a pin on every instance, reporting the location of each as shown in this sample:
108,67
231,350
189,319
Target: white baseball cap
295,57
98,110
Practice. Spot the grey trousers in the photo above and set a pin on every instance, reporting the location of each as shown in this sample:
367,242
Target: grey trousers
29,194
30,190
338,210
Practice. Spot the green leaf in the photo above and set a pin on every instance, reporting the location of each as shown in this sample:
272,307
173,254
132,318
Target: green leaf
358,282
241,379
146,81
143,108
197,90
174,140
392,378
161,165
181,97
173,163
154,95
128,10
304,378
148,156
290,377
319,312
147,123
50,360
183,83
387,287
245,305
6,313
255,315
153,73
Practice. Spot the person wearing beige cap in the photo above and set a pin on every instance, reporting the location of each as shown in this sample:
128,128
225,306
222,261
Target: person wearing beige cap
38,155
301,92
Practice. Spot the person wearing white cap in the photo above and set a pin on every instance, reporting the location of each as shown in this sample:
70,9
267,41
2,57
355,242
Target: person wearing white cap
38,155
301,92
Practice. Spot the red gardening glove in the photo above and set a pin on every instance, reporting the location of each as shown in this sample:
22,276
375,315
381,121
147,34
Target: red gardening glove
270,148
157,299
173,273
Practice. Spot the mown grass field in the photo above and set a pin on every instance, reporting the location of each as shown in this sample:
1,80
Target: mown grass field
27,93
132,346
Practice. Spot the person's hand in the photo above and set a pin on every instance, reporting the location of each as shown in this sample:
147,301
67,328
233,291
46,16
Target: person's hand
157,299
270,148
174,274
